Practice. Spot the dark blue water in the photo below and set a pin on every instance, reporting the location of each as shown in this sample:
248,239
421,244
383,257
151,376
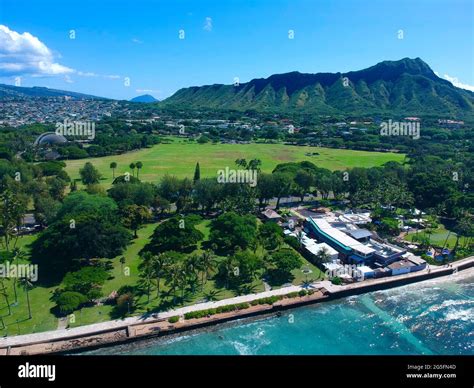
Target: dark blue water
433,317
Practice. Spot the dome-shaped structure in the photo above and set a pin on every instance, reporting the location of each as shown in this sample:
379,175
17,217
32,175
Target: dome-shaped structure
49,138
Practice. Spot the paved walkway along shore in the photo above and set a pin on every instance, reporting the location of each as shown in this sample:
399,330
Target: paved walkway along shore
97,328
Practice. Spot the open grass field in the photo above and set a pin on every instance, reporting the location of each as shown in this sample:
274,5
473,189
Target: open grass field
438,237
40,299
120,275
179,158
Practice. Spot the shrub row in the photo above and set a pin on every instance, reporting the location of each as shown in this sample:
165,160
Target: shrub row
239,306
217,310
276,298
267,300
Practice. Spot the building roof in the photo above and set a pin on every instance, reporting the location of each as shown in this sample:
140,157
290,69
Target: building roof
365,269
400,264
332,266
416,260
29,219
49,138
342,238
271,214
356,218
316,249
360,233
321,209
384,250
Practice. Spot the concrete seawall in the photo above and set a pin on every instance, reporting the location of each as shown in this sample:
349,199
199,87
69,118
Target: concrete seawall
133,329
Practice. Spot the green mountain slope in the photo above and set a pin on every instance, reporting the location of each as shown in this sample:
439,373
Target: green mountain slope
10,91
407,87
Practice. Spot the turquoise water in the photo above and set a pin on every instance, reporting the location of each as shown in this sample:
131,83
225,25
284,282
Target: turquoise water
433,317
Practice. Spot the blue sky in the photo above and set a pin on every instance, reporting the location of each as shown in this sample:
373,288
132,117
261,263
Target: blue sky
139,39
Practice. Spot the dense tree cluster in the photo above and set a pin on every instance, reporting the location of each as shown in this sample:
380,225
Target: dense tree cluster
85,227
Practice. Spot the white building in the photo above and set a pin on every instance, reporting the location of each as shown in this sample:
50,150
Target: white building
315,248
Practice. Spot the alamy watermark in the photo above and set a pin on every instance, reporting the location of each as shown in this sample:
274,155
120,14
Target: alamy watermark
400,128
229,175
85,129
29,271
351,270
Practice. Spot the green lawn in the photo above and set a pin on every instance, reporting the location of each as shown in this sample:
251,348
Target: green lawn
126,274
301,275
179,158
438,237
41,304
18,322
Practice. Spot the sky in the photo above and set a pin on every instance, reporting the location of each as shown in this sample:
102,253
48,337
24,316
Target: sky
121,49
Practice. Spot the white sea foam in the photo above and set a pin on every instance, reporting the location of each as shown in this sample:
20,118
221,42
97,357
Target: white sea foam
242,349
447,304
460,315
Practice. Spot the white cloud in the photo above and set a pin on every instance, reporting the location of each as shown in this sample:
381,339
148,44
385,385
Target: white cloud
208,24
138,41
92,74
87,74
455,81
112,76
25,54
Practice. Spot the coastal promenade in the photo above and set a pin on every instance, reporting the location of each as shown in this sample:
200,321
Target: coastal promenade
116,331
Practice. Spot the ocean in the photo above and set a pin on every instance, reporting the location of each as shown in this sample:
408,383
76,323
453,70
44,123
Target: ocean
434,317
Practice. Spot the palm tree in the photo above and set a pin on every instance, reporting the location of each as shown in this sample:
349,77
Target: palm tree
146,269
429,232
132,167
17,254
254,164
173,277
182,280
212,295
26,283
300,236
4,293
113,166
241,163
445,244
323,256
208,264
246,289
193,266
139,166
160,265
463,227
146,282
193,282
228,267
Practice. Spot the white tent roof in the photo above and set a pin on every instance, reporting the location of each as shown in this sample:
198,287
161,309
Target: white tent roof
316,248
342,237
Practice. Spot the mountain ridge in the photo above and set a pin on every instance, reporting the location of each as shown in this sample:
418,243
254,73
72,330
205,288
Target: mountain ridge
407,86
41,91
144,98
